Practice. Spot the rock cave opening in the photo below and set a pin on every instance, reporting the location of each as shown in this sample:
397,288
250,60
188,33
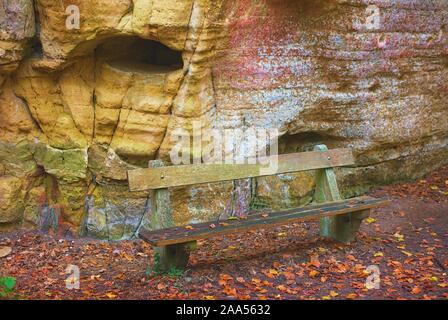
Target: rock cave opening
135,54
35,49
304,141
134,94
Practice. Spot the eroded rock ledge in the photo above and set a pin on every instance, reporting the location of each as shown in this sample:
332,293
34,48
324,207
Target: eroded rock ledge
80,107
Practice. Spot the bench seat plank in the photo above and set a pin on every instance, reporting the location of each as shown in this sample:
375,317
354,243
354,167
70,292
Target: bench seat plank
176,176
254,221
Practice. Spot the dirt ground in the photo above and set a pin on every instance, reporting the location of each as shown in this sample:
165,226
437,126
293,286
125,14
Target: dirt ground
403,246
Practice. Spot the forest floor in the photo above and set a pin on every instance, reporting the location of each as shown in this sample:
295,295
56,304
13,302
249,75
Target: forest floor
403,246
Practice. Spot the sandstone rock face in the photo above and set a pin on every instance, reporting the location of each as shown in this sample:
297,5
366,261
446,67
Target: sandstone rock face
80,107
10,190
17,27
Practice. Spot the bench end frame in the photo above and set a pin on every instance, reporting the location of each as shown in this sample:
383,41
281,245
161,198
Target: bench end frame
173,256
341,228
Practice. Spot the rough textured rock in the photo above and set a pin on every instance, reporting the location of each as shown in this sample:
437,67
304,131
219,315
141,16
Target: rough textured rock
10,194
32,214
66,165
286,190
79,107
17,27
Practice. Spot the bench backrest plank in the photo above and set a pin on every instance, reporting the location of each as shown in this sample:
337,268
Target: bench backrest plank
184,175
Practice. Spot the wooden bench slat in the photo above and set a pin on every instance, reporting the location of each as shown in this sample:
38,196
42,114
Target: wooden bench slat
203,230
175,176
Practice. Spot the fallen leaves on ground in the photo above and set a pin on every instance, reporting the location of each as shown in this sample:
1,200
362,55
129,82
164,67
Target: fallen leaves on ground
406,242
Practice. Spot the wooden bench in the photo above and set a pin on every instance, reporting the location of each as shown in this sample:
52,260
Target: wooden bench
339,219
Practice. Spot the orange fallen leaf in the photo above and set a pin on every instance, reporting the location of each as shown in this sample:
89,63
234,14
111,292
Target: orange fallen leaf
289,275
121,276
226,277
230,291
399,237
416,290
111,295
281,288
281,234
273,272
351,257
161,286
313,273
333,294
407,253
127,257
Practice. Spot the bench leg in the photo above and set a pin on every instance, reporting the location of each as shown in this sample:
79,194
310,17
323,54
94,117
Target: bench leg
173,257
170,257
343,228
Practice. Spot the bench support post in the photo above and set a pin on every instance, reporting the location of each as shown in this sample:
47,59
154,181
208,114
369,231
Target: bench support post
341,228
173,256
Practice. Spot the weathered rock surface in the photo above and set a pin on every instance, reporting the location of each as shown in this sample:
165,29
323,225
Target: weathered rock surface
10,194
17,28
79,107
